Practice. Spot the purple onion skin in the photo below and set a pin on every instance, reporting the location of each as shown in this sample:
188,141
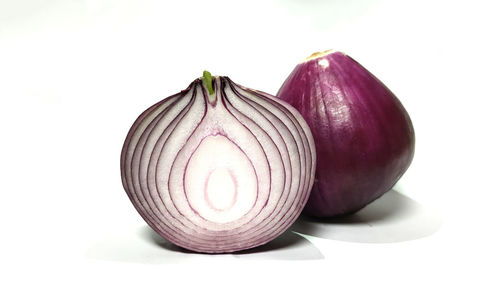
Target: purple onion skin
364,137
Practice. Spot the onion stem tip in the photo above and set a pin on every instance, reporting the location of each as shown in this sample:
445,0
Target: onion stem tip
207,78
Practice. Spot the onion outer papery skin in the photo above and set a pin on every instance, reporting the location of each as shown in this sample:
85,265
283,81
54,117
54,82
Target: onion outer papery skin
364,137
260,148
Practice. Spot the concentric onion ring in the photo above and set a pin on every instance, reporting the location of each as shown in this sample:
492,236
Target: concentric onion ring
219,173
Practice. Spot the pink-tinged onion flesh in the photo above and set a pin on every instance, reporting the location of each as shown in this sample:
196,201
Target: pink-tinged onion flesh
219,172
364,137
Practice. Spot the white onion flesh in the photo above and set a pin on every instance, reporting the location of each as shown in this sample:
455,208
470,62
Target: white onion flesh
219,173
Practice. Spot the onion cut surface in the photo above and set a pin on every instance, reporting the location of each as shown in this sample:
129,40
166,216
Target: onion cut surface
219,172
364,137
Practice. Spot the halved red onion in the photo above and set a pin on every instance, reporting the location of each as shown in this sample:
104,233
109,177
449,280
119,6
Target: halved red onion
219,171
364,137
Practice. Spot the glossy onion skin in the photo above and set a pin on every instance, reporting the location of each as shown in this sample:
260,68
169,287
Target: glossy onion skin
262,145
364,137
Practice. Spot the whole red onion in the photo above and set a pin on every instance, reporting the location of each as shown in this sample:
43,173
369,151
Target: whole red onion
364,137
219,167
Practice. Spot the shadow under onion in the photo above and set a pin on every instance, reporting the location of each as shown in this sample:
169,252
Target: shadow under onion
287,246
147,247
393,217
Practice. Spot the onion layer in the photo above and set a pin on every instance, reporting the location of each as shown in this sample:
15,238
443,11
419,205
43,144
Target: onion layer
219,169
364,137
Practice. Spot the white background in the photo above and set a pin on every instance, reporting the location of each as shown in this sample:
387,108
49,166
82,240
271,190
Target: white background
74,75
